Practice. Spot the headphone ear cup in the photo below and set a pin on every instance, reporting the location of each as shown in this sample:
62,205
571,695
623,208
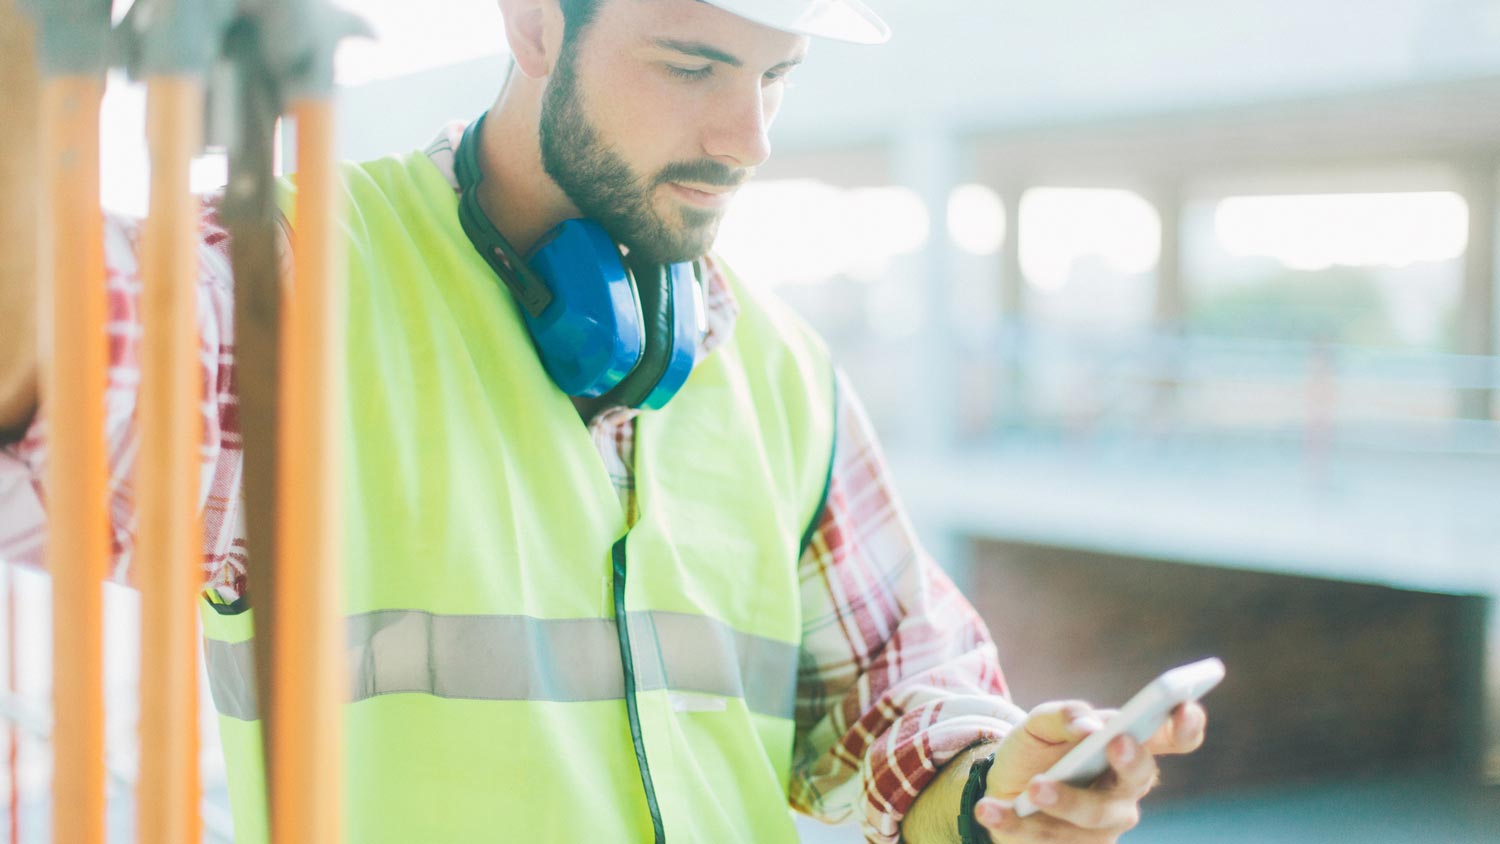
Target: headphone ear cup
652,286
671,329
593,336
686,332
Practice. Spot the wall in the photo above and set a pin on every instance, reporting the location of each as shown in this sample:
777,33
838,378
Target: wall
1325,677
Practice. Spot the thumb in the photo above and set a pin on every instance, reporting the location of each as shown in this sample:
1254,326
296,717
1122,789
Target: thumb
1049,732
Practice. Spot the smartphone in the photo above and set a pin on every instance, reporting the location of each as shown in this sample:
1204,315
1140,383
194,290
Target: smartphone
1140,718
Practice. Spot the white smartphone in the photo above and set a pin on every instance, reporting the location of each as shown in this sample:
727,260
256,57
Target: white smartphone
1141,718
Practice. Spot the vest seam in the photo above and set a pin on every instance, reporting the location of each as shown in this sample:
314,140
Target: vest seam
817,516
632,706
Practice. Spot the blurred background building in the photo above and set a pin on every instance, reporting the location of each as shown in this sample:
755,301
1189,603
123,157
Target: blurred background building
1179,323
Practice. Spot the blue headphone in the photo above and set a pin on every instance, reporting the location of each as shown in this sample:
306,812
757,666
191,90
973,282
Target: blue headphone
602,324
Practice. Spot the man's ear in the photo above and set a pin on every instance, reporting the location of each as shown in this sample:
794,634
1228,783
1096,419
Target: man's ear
534,30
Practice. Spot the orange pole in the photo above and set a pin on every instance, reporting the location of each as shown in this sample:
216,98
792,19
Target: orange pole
307,783
169,535
73,361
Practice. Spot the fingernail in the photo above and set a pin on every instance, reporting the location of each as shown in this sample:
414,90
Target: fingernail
1086,725
1125,751
1043,793
989,814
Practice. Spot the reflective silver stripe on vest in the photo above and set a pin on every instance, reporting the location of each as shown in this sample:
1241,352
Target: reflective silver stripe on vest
517,657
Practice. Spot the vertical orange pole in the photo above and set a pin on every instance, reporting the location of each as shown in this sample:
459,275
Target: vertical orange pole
73,381
307,784
169,545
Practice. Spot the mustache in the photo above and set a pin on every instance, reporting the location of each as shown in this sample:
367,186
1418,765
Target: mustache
704,172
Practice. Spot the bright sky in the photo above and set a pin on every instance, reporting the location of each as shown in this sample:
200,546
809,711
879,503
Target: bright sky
976,219
1362,230
414,36
804,231
1061,225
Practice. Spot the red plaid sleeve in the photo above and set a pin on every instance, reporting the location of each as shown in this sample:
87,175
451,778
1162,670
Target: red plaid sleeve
898,672
23,464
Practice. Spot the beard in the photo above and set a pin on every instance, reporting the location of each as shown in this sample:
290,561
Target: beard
605,189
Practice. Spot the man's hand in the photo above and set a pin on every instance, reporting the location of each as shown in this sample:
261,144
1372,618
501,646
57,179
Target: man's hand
1099,814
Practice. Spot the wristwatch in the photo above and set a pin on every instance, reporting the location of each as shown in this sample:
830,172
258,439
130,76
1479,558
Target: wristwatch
969,829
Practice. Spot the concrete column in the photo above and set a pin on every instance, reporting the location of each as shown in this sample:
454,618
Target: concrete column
1479,334
1012,279
1478,322
1012,340
1170,307
927,159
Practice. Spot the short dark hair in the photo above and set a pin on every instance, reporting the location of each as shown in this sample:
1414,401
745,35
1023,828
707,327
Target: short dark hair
577,15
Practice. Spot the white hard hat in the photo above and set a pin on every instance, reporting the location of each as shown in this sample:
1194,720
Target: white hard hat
841,20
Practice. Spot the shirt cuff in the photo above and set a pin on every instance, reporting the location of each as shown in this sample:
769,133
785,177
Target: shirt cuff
908,758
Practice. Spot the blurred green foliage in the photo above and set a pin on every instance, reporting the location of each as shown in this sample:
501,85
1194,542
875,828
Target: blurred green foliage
1337,305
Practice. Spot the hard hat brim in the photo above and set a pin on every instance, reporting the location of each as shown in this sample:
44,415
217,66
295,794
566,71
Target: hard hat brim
841,20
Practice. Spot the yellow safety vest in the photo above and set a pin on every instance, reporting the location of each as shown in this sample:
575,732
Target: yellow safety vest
493,695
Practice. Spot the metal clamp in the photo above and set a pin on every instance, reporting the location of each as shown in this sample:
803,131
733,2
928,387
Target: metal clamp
300,37
72,36
160,37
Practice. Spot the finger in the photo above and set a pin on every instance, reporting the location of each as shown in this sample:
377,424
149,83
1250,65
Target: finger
1087,808
1061,722
1133,768
994,814
999,818
1047,734
1183,732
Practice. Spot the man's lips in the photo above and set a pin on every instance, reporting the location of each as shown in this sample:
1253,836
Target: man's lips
707,196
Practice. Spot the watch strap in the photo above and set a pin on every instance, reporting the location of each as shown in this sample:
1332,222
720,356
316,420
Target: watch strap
969,829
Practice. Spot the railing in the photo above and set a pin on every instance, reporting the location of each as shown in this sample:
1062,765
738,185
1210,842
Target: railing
280,62
23,717
1316,397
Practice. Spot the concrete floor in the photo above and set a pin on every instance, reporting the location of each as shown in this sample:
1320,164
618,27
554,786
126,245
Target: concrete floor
1416,808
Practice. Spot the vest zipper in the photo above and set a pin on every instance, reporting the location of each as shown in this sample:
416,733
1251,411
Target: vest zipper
627,662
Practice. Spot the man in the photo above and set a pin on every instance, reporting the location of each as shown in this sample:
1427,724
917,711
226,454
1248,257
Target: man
733,616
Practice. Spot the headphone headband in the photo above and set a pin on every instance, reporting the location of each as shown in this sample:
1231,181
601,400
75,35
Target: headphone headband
529,290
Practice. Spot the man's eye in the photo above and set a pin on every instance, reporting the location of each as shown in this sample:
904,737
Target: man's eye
690,72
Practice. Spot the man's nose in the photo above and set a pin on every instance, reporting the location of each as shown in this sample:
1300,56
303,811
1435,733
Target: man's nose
739,133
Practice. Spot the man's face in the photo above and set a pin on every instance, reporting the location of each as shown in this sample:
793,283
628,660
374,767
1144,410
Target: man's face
656,113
